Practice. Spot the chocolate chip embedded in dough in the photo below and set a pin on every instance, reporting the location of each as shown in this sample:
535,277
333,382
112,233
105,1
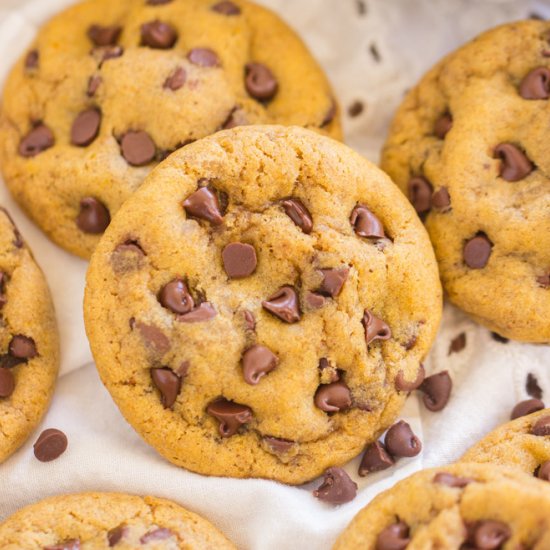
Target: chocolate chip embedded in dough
333,281
249,320
284,305
437,390
523,408
50,445
116,534
393,537
230,415
444,478
315,300
176,80
488,534
543,471
441,200
158,35
94,83
476,251
260,82
375,459
203,312
257,361
93,217
154,338
298,213
137,148
401,441
420,192
7,383
204,204
203,57
38,140
168,383
443,125
226,8
32,60
337,487
279,445
365,223
104,35
514,164
536,84
541,427
85,128
160,533
333,397
239,260
22,347
403,385
71,544
375,328
176,297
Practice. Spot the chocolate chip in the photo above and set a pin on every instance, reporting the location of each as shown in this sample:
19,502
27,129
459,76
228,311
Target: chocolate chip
437,390
284,305
7,383
71,544
257,361
160,533
441,199
541,426
523,408
204,57
375,328
32,60
543,471
444,478
176,297
488,534
158,35
239,260
105,53
330,114
260,82
50,445
420,194
401,441
3,297
532,386
168,383
137,148
279,445
337,487
204,204
154,338
315,300
402,385
298,213
85,127
226,8
94,217
203,312
116,534
365,223
104,36
514,164
7,361
355,109
333,397
394,537
442,125
375,459
176,80
235,118
536,84
230,415
249,320
127,257
93,84
22,347
158,2
39,139
477,251
333,281
458,343
544,280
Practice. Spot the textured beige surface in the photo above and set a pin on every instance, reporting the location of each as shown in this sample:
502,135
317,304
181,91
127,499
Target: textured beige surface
437,514
51,185
478,85
88,517
28,311
256,168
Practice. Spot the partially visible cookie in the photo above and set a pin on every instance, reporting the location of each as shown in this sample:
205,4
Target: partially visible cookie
469,147
111,87
261,306
461,506
29,345
94,521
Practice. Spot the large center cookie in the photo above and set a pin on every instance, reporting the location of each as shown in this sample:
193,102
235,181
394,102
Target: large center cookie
97,521
110,87
469,146
261,306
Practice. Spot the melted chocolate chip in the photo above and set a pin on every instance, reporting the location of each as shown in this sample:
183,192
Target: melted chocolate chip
137,148
375,459
204,204
298,213
333,397
365,223
441,199
50,445
458,343
168,383
176,297
154,338
402,385
543,471
375,328
39,139
541,427
279,445
86,127
203,57
93,84
239,260
532,386
437,390
32,60
249,320
104,36
7,383
443,125
158,35
284,305
176,80
71,544
94,217
127,257
401,441
160,533
315,300
230,415
226,8
116,534
444,478
488,534
420,194
529,406
333,281
260,82
394,537
203,312
536,84
337,487
257,361
22,347
514,164
477,250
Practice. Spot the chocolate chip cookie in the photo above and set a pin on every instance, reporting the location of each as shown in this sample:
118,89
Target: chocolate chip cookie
261,306
109,88
29,346
92,521
468,146
462,506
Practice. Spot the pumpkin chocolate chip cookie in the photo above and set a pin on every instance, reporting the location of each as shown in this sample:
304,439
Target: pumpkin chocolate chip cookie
93,521
109,88
259,306
468,145
29,346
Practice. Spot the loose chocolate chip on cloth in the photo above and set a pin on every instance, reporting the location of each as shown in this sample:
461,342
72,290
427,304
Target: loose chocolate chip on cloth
92,134
478,506
216,231
29,347
469,149
106,520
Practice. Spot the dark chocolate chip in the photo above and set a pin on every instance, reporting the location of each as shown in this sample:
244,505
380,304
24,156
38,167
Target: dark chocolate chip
442,125
169,385
375,459
32,60
541,426
176,79
204,204
137,148
437,390
441,199
239,260
176,297
499,338
444,478
543,471
532,386
22,347
355,109
94,217
7,383
204,57
160,533
401,441
337,487
93,84
105,53
86,127
458,343
154,338
536,84
249,320
298,213
284,305
315,300
477,250
230,415
158,35
104,36
226,8
257,361
375,328
365,223
116,534
39,139
420,194
393,537
50,445
488,534
260,82
333,281
333,397
402,385
71,544
514,164
523,408
279,445
544,280
203,312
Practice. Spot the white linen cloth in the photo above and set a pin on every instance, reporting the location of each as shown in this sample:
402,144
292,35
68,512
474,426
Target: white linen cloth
105,454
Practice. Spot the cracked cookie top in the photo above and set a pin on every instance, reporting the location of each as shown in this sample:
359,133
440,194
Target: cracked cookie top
259,306
110,88
468,145
95,521
29,346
